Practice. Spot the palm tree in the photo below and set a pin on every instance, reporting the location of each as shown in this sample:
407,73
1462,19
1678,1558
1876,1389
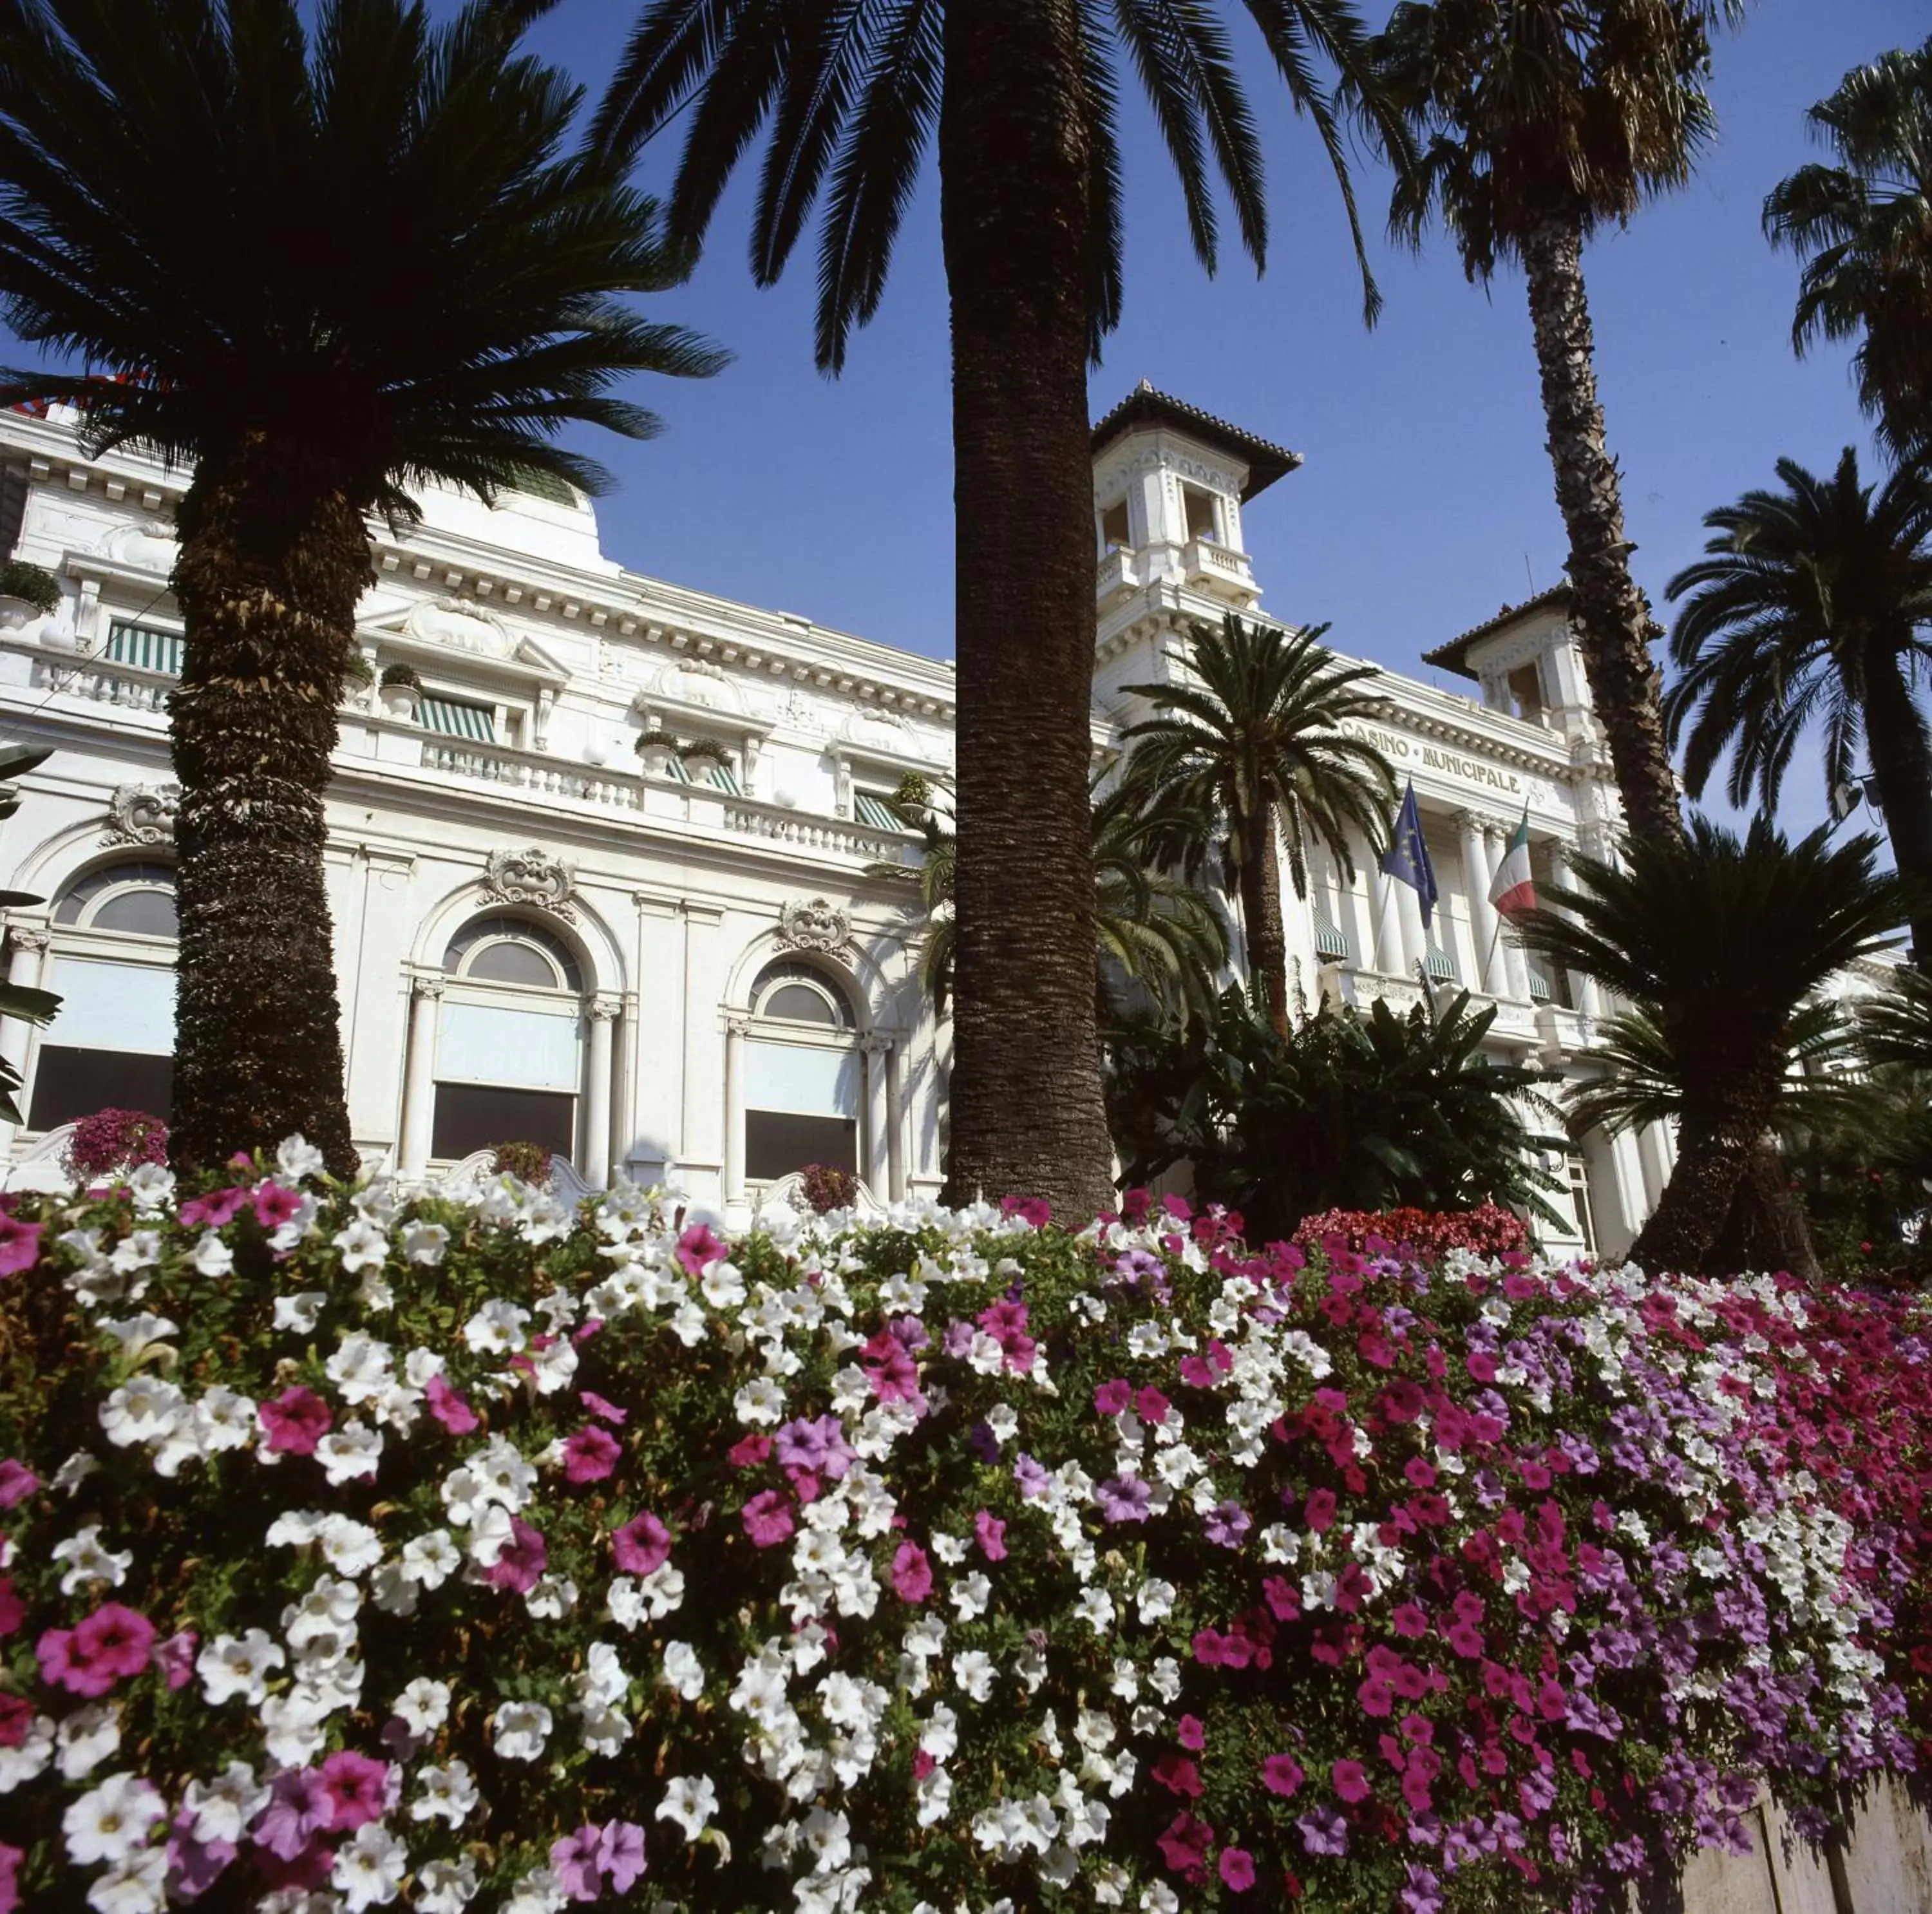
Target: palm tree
1020,100
1717,942
1815,603
1540,121
320,269
1864,228
1255,755
1153,932
1896,1028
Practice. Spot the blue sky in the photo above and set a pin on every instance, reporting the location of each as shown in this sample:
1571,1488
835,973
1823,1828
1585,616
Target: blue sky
1425,502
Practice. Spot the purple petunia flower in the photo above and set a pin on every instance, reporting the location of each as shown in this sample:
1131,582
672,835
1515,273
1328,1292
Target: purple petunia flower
1324,1831
575,1859
1123,1499
620,1853
1031,1476
1227,1522
299,1808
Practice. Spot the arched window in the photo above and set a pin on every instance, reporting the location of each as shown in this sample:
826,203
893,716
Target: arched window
112,1045
509,1050
803,1086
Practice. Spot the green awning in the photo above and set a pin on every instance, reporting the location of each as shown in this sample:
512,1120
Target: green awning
719,777
1441,965
454,719
1539,986
144,646
1331,942
874,811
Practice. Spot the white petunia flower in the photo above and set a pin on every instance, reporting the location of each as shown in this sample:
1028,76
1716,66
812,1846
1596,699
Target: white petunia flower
430,1560
28,1761
88,1562
349,1452
973,1671
690,1803
135,1885
221,1809
85,1738
297,1158
361,1367
111,1821
722,1285
423,1707
231,1667
144,1409
213,1257
444,1794
363,1247
425,1243
444,1887
298,1314
370,1867
497,1329
520,1729
683,1672
761,1400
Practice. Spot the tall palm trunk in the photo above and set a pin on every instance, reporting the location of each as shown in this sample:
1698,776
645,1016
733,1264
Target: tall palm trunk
1026,1100
1613,623
1260,919
1902,766
1720,1141
274,556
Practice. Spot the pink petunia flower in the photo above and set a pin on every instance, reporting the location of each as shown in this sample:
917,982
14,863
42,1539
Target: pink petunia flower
449,1408
19,1246
574,1858
357,1788
1351,1783
113,1643
1282,1774
642,1545
295,1421
10,1857
767,1519
17,1482
620,1854
214,1211
1112,1398
1191,1733
912,1572
522,1561
992,1534
174,1657
1237,1869
590,1455
275,1205
603,1411
749,1451
699,1245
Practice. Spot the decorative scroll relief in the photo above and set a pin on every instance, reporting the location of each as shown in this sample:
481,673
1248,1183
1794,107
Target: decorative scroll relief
533,878
817,925
142,813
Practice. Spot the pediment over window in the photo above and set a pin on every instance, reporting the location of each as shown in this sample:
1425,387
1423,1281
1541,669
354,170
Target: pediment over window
436,629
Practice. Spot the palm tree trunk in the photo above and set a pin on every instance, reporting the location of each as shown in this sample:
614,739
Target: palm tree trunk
1027,1114
1261,914
1716,1145
1902,766
1613,622
274,556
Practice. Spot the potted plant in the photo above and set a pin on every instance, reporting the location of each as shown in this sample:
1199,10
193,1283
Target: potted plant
26,591
111,1142
702,751
397,690
825,1187
528,1163
654,749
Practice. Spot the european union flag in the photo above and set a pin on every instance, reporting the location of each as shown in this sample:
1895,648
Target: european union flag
1407,858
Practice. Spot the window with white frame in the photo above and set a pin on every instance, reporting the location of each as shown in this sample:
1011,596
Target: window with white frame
802,1073
509,1040
112,963
1576,1176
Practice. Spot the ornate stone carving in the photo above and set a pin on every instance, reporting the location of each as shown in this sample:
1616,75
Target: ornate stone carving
604,1009
31,937
816,925
429,987
531,877
142,813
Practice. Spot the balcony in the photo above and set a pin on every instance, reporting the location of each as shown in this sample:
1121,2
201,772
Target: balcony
1215,569
1121,573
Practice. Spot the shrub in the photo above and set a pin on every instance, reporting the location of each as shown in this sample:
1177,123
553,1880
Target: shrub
33,583
530,1162
111,1141
1486,1231
824,1187
400,674
1364,1112
895,1566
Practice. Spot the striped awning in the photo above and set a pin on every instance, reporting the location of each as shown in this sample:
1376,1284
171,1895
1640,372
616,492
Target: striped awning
144,646
719,777
1441,965
873,810
1331,941
1539,986
454,719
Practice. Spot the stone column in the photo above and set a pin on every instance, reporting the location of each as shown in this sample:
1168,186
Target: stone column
1652,1148
1490,972
1516,969
1356,896
1413,964
875,1162
1386,953
593,1145
1583,991
895,1165
419,1078
1632,1198
26,967
735,1024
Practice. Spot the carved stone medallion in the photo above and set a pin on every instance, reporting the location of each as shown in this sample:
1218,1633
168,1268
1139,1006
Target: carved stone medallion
817,925
531,877
142,813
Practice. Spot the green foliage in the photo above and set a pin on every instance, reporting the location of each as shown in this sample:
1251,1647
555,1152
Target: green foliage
33,583
377,239
851,112
1259,737
1863,227
17,1000
1527,111
1810,601
401,674
1347,1111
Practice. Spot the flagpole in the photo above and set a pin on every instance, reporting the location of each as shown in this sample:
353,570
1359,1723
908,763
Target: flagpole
1495,937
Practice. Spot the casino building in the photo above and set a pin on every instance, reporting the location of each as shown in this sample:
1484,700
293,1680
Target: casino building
599,873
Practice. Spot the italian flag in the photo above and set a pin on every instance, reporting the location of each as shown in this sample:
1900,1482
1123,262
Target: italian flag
1513,893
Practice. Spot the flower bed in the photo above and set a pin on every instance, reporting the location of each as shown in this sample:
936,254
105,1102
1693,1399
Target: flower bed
363,1553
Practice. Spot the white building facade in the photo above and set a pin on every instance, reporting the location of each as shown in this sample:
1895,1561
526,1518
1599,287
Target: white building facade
599,877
